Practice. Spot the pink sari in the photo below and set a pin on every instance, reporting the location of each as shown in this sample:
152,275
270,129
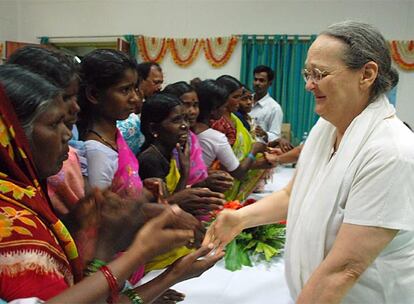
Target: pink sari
67,187
198,169
126,182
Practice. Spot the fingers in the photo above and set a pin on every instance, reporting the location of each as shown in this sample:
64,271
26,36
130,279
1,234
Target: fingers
221,186
209,237
276,151
221,175
285,148
167,218
205,192
179,237
273,159
212,258
173,295
208,201
185,220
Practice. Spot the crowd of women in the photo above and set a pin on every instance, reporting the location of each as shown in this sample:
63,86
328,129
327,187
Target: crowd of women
79,206
85,213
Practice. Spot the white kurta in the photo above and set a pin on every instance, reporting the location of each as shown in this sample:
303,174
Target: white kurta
369,182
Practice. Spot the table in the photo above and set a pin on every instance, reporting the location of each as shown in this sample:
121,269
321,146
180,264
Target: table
280,178
263,283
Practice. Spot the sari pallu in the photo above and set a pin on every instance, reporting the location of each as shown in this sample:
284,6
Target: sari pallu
67,187
198,169
127,183
198,172
38,257
242,146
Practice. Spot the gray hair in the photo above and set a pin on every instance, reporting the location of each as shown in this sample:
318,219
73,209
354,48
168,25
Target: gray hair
29,93
365,43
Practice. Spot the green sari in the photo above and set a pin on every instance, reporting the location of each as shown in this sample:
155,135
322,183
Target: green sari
242,146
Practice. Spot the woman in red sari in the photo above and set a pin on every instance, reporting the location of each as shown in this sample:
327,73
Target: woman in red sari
38,257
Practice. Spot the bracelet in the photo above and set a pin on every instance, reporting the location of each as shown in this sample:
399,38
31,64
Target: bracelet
93,266
112,282
251,156
133,296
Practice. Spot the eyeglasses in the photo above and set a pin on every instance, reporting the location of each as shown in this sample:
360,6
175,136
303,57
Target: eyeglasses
315,75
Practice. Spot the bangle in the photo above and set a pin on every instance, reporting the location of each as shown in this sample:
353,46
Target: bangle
133,296
93,266
251,156
112,283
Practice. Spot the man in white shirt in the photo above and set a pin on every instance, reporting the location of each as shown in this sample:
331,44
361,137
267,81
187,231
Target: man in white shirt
266,112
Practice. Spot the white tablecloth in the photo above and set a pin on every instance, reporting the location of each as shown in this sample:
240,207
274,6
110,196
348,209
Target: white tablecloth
263,283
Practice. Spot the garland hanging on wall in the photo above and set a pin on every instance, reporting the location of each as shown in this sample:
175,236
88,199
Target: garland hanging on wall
403,53
184,50
152,48
219,50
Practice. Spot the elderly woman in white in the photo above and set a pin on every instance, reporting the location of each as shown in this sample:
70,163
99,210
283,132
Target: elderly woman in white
350,206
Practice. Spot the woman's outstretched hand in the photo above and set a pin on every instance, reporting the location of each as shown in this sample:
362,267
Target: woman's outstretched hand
194,264
172,229
198,201
223,230
217,180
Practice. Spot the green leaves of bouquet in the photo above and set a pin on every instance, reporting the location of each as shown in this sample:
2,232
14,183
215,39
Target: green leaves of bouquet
264,242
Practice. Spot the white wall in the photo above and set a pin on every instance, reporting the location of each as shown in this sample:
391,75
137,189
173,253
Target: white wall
203,18
8,20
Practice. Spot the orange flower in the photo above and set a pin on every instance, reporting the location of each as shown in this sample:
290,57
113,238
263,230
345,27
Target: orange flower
233,205
229,205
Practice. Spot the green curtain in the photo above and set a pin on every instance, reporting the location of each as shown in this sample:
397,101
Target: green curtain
44,40
133,47
286,55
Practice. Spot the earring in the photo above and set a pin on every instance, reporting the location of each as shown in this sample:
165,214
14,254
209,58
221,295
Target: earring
155,135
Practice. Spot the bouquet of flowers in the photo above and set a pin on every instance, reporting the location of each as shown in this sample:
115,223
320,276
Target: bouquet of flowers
263,242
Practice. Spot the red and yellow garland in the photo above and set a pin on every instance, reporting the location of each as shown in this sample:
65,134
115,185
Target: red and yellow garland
185,50
152,48
219,50
403,53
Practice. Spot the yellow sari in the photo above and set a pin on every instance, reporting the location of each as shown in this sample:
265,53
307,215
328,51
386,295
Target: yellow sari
166,259
242,146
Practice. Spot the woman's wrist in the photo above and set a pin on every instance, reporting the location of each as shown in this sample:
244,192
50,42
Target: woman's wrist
243,219
135,257
168,277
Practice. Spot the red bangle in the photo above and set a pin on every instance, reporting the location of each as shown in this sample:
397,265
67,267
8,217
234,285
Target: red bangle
112,282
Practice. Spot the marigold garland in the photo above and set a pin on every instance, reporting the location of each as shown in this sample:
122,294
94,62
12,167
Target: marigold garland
219,50
185,50
152,48
403,53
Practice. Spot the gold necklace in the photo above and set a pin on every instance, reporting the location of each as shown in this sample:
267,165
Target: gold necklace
104,140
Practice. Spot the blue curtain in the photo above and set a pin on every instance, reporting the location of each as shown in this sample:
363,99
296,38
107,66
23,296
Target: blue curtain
286,55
